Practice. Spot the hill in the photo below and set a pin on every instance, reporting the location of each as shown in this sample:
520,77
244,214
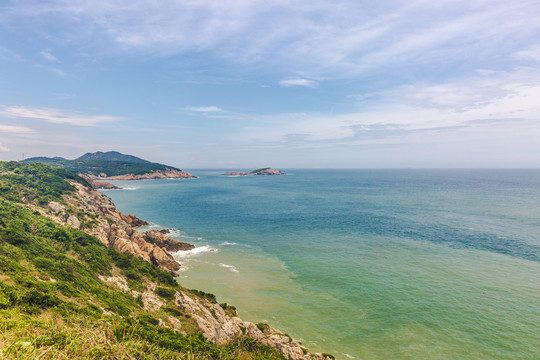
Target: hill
111,156
112,165
78,281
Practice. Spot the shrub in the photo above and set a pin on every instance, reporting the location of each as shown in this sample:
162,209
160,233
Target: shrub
263,326
166,293
204,295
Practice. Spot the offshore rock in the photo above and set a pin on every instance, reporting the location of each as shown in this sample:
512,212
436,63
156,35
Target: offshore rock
158,238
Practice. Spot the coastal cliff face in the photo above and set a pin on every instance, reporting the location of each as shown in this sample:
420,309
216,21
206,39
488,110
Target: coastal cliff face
97,215
117,230
217,322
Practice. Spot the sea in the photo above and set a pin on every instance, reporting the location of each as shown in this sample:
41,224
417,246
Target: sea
364,264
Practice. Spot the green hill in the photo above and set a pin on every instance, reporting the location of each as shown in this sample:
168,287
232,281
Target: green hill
111,156
110,163
64,294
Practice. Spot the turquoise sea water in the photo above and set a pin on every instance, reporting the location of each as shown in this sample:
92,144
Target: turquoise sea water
365,264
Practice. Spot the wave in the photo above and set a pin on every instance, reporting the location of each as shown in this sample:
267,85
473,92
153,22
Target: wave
174,233
230,267
349,356
128,188
228,243
194,252
183,268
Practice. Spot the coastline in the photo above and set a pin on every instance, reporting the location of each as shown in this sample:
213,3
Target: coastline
363,303
220,328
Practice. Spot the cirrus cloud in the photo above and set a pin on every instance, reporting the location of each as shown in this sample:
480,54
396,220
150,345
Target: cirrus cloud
14,129
299,82
205,109
56,116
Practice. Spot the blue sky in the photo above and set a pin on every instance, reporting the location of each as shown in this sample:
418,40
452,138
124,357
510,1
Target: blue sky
290,84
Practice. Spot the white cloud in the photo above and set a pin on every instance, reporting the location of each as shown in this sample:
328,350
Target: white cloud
348,37
532,52
508,100
56,116
14,129
205,109
48,56
3,148
299,82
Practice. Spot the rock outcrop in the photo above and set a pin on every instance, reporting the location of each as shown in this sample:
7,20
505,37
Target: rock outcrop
158,174
98,184
218,323
101,219
103,185
157,237
221,327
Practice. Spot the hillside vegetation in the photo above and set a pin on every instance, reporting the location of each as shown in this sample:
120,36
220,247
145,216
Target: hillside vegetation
65,295
110,163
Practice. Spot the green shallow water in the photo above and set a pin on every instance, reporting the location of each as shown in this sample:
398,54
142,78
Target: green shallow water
366,264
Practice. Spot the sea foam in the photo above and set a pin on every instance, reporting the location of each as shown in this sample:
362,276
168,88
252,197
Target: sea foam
194,252
228,243
230,267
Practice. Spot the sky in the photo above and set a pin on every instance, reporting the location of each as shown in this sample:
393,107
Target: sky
238,84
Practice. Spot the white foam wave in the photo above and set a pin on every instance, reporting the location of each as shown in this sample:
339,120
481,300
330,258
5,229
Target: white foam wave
129,188
183,267
228,243
194,252
174,233
230,267
349,356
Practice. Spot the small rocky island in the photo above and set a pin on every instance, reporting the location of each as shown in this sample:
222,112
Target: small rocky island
263,171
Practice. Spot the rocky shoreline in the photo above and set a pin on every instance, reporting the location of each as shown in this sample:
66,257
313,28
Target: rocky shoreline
98,183
158,174
96,214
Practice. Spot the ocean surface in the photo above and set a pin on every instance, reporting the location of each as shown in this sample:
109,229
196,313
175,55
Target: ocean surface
365,264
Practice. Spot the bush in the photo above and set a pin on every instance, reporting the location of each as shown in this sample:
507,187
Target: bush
165,293
263,326
204,295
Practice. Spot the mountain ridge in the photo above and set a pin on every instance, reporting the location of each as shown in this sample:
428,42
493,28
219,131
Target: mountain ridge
112,165
111,156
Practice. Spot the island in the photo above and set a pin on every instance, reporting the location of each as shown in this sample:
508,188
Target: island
112,165
263,171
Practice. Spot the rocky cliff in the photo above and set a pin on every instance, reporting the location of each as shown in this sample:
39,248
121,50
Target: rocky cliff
219,323
97,215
